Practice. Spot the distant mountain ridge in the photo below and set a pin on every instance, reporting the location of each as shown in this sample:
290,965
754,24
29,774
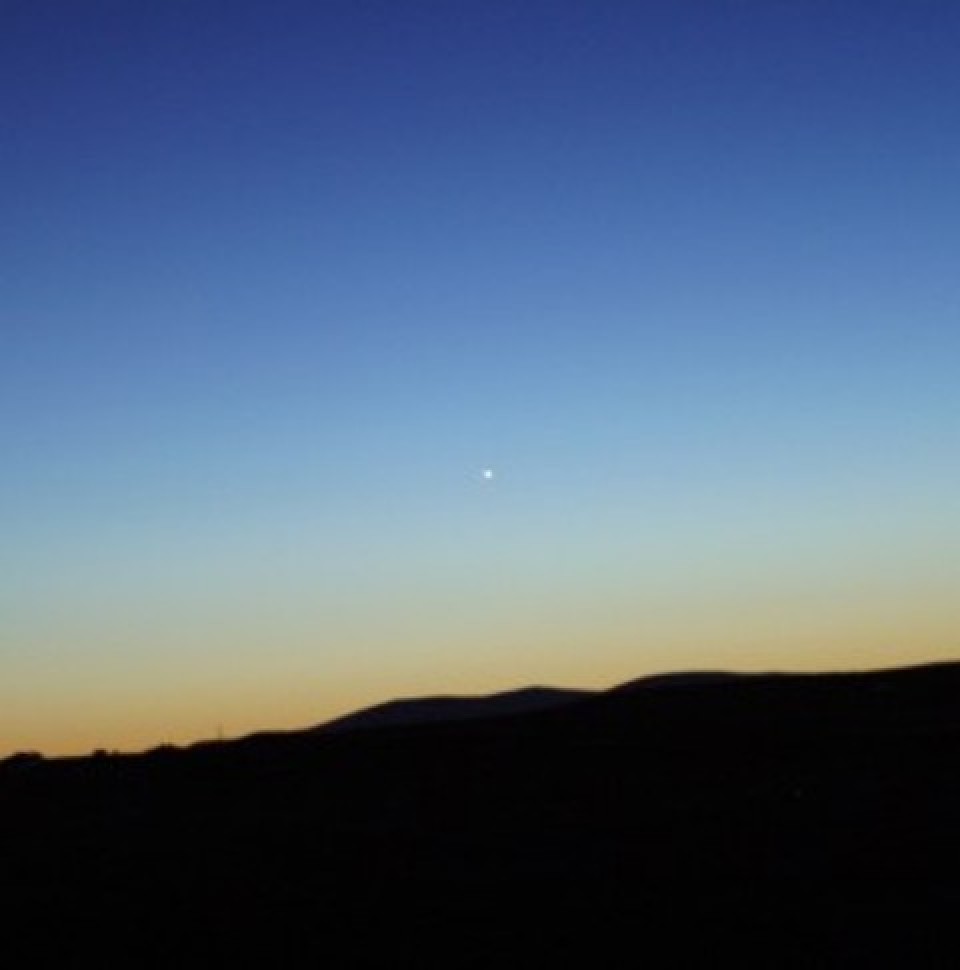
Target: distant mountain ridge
443,709
705,685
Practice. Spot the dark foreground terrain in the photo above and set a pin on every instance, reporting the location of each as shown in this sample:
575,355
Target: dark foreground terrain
768,820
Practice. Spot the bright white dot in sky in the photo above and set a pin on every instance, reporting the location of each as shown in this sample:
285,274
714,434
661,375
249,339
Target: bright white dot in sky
487,473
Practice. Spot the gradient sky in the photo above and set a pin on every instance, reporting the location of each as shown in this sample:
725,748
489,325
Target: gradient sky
280,278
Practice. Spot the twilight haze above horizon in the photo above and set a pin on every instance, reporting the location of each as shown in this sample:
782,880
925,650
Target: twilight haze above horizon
282,281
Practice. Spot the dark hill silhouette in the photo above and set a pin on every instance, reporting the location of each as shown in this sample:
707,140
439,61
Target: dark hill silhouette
680,679
771,820
432,710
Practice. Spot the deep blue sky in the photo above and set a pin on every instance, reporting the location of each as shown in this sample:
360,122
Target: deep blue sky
279,279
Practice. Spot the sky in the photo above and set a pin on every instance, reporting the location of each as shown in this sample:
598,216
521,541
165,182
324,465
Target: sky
280,279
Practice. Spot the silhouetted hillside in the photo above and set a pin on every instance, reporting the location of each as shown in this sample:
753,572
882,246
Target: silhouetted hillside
771,820
427,710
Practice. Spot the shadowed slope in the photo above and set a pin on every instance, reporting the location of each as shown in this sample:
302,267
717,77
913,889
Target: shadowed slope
425,710
776,820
